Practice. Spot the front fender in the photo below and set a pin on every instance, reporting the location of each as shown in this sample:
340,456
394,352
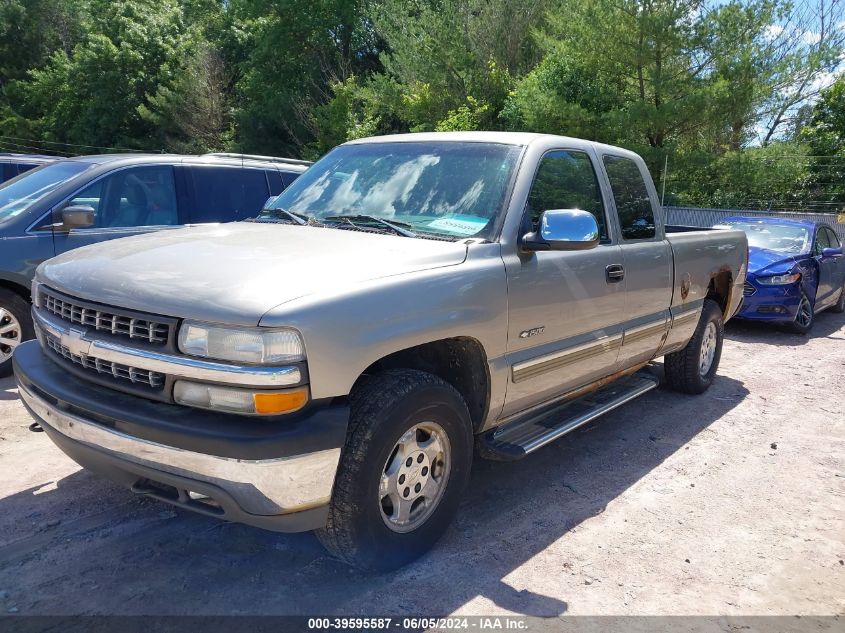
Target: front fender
346,332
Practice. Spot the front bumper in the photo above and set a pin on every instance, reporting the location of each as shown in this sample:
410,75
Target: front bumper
273,473
770,303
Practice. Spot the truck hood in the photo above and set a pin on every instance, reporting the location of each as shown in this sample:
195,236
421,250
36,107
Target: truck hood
235,273
761,260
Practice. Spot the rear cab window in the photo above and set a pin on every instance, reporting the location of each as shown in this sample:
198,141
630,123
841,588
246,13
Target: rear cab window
633,204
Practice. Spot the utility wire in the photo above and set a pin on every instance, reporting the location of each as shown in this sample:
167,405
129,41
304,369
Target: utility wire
36,141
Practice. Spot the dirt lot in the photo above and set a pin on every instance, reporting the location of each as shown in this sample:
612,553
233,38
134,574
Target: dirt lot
732,502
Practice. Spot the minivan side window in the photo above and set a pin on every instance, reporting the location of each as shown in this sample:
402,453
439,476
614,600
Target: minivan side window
633,205
138,196
566,180
225,194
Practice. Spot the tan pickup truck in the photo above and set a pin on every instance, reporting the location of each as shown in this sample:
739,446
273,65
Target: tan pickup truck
332,363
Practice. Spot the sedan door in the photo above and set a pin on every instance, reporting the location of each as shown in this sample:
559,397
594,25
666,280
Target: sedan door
125,202
831,268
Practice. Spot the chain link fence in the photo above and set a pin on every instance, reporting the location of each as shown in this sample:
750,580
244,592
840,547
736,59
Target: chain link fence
691,216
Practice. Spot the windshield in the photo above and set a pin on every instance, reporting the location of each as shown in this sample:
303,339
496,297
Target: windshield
447,189
782,238
18,194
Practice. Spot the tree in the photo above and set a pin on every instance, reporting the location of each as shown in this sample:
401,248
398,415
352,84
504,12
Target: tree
298,49
94,94
195,114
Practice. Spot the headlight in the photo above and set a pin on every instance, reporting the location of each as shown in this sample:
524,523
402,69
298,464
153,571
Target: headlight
243,401
779,280
260,346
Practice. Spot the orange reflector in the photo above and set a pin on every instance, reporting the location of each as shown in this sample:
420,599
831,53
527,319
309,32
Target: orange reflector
284,402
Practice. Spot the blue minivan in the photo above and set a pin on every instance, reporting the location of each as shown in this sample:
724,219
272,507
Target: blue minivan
77,201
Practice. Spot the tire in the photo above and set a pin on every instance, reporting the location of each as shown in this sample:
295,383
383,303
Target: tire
804,320
384,409
839,306
15,327
684,368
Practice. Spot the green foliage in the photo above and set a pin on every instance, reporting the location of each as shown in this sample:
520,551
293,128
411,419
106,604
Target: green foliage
93,94
722,91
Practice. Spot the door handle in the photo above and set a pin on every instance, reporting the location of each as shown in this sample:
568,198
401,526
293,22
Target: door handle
614,273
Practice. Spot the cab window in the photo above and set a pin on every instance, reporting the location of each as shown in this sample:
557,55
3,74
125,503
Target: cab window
633,205
566,180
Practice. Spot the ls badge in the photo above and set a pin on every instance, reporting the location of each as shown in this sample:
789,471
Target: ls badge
532,332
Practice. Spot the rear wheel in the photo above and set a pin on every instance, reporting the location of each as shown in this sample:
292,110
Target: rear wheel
805,316
839,306
15,327
692,369
406,461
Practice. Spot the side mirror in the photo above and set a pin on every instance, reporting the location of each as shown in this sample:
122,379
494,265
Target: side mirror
832,252
563,230
77,216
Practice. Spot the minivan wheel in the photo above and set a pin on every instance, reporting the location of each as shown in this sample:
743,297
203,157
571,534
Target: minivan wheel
692,369
405,464
15,327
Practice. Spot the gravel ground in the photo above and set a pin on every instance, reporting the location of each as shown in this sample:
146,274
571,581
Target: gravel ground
730,503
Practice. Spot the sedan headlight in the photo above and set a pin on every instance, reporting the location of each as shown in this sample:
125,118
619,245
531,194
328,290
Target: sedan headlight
259,346
779,280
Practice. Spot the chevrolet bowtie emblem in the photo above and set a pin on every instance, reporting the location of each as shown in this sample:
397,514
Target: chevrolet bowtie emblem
74,341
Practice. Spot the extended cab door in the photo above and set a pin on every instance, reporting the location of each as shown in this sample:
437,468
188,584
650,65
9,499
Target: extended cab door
565,311
126,202
646,259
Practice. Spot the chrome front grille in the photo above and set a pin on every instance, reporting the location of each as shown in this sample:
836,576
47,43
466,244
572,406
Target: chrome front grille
152,379
105,320
748,289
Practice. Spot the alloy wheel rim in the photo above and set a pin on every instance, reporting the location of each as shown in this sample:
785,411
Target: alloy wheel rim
805,313
10,334
414,477
708,349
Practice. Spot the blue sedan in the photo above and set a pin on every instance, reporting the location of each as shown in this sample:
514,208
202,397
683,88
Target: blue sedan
796,269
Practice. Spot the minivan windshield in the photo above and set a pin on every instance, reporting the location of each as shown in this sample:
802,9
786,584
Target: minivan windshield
18,194
783,238
445,189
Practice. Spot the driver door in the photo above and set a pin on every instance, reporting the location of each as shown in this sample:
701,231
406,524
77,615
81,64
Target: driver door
124,202
565,311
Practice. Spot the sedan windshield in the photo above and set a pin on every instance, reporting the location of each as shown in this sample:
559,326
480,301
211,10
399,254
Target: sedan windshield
18,194
782,238
445,189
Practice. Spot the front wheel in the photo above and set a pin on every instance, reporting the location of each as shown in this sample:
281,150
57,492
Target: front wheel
692,369
405,464
804,317
15,327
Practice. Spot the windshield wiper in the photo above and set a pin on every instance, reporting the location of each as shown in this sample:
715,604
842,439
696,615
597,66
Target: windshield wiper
396,227
299,218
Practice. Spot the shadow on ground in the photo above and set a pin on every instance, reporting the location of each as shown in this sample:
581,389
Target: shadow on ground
112,553
827,323
8,388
